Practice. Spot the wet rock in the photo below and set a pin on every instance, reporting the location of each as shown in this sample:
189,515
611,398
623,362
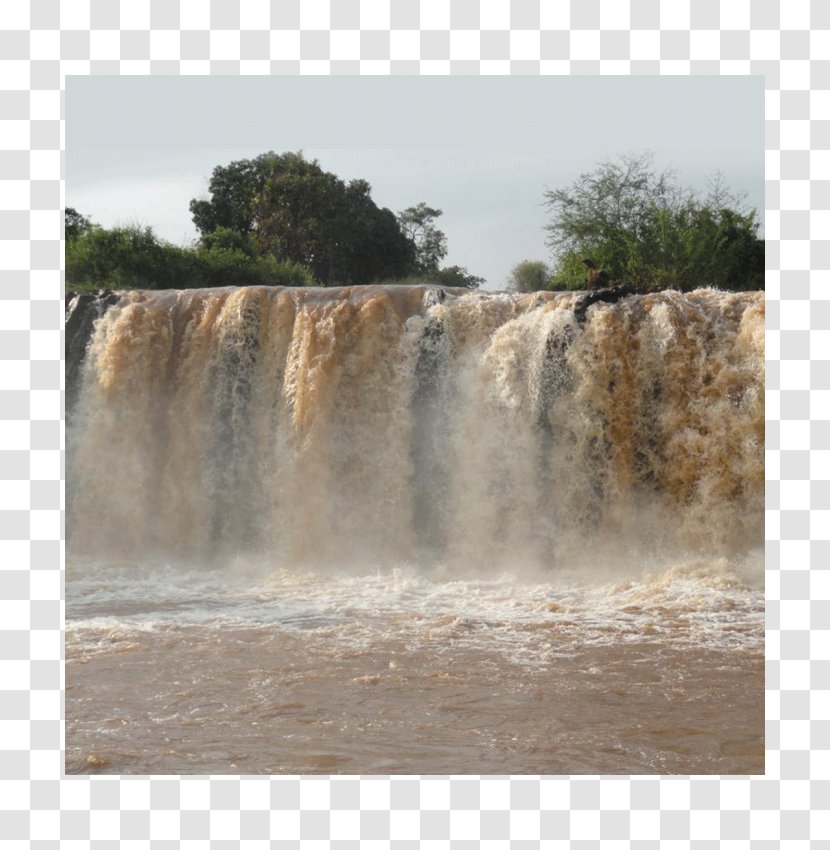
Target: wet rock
82,310
609,295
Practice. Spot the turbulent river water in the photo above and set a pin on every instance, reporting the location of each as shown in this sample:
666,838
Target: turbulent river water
415,530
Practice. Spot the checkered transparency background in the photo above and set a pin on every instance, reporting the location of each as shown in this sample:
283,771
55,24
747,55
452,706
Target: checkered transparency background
43,41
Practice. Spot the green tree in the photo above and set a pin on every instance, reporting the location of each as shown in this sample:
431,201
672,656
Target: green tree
225,239
232,189
74,223
644,230
373,245
430,246
418,225
529,276
298,212
458,276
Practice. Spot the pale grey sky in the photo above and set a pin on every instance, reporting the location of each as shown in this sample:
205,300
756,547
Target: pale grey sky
482,149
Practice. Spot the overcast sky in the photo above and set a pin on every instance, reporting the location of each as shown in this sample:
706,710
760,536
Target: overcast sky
482,149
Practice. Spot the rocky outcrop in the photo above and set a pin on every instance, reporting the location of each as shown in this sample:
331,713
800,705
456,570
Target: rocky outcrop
82,310
608,295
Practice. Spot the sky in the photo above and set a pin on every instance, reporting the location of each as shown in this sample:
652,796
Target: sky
482,149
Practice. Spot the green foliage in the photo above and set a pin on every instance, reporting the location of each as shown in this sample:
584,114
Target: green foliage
225,239
418,225
229,267
448,276
232,190
135,258
569,272
458,276
276,219
122,258
74,223
643,230
296,211
529,276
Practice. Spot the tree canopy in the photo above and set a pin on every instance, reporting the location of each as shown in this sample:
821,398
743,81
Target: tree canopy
646,231
74,224
529,276
232,189
418,225
296,211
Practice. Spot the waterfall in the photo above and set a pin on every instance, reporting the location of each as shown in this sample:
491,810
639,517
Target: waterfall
408,424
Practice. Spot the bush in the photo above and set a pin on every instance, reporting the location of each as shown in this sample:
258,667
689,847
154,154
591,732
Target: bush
456,276
644,230
135,258
231,267
122,258
529,276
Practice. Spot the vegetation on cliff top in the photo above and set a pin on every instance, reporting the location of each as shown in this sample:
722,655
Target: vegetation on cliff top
279,219
645,231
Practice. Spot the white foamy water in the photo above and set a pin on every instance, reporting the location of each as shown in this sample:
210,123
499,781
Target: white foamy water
704,603
381,530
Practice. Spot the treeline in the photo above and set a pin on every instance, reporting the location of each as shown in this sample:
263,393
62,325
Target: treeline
279,219
644,230
275,219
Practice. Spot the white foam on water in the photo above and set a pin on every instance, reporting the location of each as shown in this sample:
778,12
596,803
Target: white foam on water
694,603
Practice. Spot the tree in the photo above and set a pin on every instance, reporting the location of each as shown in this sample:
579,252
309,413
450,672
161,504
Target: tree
418,225
430,246
225,239
529,276
233,188
644,230
374,246
74,223
458,276
296,211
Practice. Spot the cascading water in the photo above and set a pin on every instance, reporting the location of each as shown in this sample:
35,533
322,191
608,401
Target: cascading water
376,423
442,439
